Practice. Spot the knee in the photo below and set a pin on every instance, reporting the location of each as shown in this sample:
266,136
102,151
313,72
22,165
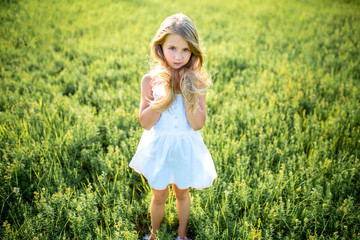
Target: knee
181,194
160,196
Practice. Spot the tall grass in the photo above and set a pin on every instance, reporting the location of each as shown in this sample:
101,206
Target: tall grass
283,121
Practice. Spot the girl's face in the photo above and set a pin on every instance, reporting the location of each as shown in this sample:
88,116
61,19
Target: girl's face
176,51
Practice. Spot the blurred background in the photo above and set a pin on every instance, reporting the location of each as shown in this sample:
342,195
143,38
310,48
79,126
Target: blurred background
283,122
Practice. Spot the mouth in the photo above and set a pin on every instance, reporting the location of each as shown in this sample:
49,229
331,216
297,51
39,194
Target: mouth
177,64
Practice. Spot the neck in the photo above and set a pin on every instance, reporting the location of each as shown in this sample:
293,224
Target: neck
175,78
175,73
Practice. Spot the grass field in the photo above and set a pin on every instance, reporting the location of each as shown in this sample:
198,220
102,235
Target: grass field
283,122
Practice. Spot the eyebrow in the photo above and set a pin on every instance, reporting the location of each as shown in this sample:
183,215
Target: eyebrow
171,45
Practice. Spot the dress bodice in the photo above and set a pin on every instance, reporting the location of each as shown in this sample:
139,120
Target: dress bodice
174,119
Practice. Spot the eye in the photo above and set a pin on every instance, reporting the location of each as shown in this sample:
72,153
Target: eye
171,48
186,50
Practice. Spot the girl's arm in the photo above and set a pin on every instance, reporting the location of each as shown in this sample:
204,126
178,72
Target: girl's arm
148,117
197,119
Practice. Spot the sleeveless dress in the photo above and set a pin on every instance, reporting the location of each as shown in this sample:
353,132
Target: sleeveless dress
172,152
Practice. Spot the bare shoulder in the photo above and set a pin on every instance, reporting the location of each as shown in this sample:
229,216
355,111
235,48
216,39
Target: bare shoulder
146,86
146,80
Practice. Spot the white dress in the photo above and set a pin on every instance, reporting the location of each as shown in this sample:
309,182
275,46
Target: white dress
172,152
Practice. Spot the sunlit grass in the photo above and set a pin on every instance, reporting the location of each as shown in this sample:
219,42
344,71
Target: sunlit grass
283,122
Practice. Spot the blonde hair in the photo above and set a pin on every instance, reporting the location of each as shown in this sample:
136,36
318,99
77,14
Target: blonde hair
194,80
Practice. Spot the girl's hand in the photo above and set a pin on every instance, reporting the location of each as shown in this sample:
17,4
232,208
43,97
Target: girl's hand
147,116
196,119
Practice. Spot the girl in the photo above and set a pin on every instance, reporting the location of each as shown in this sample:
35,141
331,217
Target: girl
172,110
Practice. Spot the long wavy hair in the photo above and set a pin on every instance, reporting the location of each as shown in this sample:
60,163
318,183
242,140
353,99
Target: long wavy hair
194,80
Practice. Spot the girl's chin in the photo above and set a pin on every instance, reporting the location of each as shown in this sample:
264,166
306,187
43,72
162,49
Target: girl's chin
176,66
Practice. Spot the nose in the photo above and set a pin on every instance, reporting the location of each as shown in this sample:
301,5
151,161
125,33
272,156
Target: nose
177,56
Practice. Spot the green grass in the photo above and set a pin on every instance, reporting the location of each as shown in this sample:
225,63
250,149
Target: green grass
283,122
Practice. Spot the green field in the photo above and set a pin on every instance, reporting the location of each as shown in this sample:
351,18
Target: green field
283,122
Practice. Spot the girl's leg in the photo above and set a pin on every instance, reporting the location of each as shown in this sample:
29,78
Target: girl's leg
157,208
183,208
